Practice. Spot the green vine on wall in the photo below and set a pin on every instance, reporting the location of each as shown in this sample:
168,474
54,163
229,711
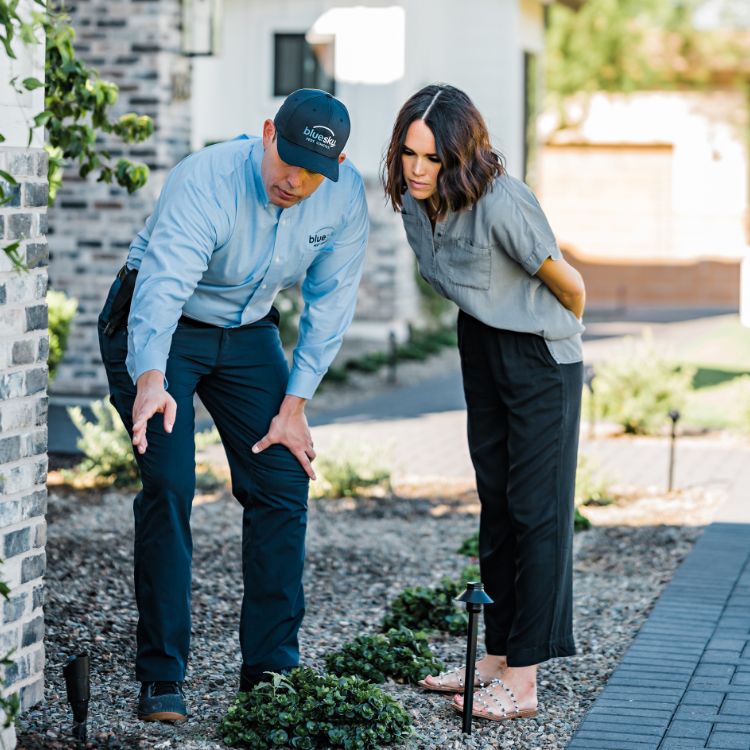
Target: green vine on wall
76,106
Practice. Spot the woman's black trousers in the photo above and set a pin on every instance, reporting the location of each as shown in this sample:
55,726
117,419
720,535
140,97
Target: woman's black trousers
523,413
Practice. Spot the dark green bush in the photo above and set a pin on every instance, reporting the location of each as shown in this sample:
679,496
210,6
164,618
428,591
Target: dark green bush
400,654
309,710
423,608
580,522
371,362
470,546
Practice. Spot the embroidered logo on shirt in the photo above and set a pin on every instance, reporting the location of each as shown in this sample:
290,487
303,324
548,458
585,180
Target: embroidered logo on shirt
318,239
320,139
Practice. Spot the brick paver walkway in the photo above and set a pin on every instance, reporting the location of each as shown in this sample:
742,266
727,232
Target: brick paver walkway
685,680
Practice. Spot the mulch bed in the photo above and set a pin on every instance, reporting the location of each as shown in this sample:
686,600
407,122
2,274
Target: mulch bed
360,554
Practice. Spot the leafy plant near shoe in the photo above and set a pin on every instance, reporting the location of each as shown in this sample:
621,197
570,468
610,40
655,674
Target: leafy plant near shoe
400,654
347,469
580,522
424,608
638,390
309,710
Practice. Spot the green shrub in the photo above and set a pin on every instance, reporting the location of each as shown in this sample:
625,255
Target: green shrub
400,654
206,438
106,443
580,522
109,451
470,546
62,310
423,608
335,375
308,710
346,469
206,480
591,482
638,390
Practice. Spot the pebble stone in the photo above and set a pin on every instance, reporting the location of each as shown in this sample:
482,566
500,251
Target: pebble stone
360,554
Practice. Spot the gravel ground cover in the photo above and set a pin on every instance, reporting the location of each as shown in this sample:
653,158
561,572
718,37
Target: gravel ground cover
360,555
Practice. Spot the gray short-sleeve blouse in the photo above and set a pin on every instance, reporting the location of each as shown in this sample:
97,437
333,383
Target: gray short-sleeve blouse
484,259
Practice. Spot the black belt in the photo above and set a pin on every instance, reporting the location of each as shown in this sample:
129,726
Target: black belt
193,323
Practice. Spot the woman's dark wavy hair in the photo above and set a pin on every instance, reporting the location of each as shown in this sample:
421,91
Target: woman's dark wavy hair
468,162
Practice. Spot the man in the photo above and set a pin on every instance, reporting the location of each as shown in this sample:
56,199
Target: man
234,224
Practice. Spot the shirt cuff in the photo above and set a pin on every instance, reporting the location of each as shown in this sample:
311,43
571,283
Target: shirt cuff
541,252
145,361
302,384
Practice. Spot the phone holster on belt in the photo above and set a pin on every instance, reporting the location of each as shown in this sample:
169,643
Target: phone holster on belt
118,313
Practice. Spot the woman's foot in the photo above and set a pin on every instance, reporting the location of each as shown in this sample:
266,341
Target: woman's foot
489,668
516,693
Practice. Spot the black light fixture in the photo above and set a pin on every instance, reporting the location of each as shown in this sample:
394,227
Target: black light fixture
674,415
76,672
474,597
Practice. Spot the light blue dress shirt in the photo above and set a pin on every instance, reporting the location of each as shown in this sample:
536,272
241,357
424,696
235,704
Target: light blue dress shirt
216,250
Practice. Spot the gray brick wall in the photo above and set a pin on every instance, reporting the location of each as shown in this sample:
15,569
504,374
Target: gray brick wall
24,346
136,45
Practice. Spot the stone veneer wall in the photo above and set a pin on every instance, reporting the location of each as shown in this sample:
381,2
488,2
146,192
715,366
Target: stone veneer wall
24,347
136,44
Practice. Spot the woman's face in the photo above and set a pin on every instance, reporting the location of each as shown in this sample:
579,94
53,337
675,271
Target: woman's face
420,161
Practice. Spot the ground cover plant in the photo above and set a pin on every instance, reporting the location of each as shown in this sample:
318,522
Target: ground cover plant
109,452
346,469
400,654
638,389
425,608
309,710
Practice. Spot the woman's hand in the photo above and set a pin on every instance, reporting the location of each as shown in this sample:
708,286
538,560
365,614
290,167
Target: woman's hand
565,283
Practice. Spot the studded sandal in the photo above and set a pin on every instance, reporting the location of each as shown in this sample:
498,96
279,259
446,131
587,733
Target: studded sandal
496,712
440,688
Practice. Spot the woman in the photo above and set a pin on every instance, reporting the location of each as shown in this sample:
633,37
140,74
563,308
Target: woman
482,240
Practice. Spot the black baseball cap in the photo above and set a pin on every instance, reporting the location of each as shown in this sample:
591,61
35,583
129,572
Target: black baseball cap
312,129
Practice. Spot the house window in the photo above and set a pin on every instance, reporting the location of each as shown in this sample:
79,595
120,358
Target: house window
301,65
530,145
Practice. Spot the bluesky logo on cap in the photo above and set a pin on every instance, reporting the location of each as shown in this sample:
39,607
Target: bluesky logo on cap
312,127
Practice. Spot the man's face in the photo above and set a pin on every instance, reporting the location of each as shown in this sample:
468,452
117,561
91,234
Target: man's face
285,184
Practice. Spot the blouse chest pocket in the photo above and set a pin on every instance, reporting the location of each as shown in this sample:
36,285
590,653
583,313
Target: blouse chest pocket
469,265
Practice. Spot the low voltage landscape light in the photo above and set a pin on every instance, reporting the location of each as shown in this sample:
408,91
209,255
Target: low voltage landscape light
474,597
674,415
76,672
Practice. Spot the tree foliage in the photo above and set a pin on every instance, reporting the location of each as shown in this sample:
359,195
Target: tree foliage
635,45
77,104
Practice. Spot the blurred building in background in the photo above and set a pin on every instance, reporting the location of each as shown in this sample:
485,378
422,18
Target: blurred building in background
648,195
208,71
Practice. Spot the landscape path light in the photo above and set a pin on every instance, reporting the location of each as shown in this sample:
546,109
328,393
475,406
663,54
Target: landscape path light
674,415
588,379
474,597
76,672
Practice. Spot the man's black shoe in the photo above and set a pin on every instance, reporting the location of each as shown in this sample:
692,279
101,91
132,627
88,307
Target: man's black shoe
161,701
248,681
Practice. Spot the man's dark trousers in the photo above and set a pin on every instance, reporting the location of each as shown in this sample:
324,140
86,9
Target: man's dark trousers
241,376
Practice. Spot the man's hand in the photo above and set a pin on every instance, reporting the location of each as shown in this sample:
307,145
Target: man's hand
289,428
151,398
